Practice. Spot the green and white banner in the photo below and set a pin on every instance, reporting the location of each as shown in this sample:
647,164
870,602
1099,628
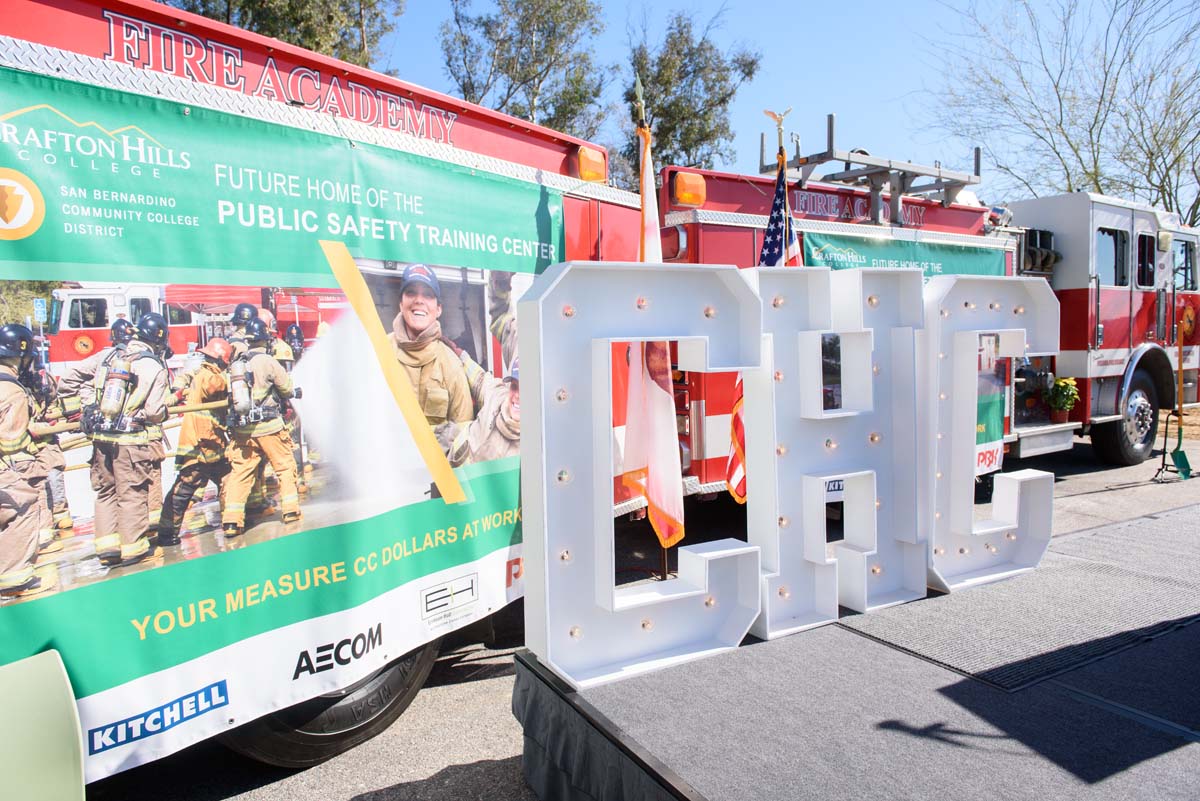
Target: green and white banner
98,183
933,258
114,204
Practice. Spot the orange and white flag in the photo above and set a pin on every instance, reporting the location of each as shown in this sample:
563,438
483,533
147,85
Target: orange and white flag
651,245
651,459
735,467
651,443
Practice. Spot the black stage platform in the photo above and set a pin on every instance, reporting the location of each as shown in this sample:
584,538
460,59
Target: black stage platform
1079,680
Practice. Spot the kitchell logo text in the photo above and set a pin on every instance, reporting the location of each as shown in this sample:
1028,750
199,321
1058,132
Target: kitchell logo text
159,719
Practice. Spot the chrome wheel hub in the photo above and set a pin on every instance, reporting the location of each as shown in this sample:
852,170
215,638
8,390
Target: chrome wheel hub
1139,417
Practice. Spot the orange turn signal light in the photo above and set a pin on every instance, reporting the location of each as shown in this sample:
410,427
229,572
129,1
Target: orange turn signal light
688,189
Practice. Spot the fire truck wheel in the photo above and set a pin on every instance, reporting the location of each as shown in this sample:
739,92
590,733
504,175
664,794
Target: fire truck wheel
1130,440
316,730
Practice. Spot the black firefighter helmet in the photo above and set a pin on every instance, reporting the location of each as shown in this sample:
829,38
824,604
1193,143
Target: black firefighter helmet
121,331
257,331
16,342
244,314
152,329
294,336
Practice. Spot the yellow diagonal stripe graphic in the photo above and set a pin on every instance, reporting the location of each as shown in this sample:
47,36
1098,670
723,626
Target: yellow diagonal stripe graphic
347,274
89,124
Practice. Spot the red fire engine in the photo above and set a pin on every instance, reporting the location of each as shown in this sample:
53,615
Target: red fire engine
81,313
1125,275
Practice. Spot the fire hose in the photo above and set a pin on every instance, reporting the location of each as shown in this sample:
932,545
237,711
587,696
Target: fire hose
44,430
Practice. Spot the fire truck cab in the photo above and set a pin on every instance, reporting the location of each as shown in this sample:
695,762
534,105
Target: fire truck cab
1125,276
80,316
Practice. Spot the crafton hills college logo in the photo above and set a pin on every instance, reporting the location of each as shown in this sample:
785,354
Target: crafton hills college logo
22,207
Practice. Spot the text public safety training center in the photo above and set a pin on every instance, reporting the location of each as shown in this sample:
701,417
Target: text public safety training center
153,160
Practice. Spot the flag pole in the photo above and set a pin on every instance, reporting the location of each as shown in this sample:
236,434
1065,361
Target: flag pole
640,106
781,163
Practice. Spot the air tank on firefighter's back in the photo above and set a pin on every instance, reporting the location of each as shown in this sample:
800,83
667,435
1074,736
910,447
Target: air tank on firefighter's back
116,388
239,388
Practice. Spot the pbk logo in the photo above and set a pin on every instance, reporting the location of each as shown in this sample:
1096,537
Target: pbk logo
327,656
988,459
159,719
22,207
514,569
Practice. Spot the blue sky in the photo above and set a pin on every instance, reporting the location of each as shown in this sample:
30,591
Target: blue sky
867,62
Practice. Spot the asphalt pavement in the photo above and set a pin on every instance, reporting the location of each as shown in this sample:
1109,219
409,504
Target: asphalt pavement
459,739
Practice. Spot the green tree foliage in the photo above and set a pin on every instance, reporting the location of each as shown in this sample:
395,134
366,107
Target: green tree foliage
16,299
1073,96
346,29
689,83
531,59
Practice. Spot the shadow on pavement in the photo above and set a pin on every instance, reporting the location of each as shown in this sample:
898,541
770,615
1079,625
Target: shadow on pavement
190,775
485,780
1092,736
468,665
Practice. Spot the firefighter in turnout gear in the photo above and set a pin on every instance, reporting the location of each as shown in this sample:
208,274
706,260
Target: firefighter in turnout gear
80,381
125,423
279,348
258,385
49,408
243,315
56,405
200,455
294,338
435,372
23,508
77,389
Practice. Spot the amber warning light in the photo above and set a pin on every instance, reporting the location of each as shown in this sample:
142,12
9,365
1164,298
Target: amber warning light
590,165
688,189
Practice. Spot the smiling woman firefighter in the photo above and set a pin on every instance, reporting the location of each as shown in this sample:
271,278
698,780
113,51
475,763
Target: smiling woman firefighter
434,370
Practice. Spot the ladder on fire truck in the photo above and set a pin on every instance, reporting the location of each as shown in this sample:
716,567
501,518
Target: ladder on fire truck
860,168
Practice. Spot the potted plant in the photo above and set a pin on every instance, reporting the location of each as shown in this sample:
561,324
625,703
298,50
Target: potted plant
1061,399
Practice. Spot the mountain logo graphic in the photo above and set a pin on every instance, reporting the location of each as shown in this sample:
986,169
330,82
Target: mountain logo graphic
10,115
22,207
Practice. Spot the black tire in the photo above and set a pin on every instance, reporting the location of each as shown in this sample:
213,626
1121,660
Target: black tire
311,732
1131,440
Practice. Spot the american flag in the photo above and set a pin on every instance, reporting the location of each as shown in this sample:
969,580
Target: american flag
780,247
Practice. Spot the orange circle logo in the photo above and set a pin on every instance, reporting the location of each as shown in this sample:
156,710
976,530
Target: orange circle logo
84,345
1189,321
22,207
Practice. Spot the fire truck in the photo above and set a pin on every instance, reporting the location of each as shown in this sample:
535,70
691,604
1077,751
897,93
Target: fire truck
142,72
120,113
1124,274
81,313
